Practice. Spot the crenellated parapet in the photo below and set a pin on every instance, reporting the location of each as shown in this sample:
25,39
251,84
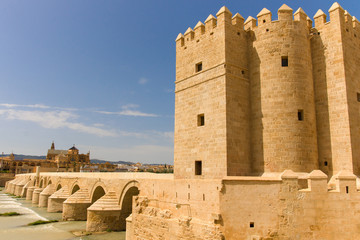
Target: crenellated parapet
210,25
338,16
318,183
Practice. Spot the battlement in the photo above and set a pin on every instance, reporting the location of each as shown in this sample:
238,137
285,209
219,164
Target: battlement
336,14
317,182
211,24
285,13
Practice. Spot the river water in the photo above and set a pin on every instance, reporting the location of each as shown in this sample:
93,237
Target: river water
15,227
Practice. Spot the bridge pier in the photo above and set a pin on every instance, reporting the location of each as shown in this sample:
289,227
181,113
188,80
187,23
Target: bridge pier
25,188
11,186
104,214
75,207
29,192
19,186
56,200
36,194
45,194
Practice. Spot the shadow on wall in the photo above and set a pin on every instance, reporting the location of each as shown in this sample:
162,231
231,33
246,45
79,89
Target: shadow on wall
321,105
256,121
127,206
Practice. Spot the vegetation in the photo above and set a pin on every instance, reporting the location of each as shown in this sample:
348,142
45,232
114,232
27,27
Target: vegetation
41,222
8,214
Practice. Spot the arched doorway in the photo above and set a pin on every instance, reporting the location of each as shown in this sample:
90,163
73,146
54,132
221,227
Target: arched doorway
126,205
75,189
98,193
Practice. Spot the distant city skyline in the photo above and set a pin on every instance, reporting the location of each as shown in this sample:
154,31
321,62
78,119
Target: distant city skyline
101,75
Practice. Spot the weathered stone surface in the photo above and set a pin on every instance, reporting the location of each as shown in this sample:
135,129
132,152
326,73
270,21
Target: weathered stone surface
55,201
75,207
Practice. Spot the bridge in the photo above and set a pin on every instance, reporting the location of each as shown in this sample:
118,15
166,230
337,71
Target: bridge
104,200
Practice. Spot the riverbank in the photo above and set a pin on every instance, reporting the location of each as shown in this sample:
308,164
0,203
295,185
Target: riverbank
16,228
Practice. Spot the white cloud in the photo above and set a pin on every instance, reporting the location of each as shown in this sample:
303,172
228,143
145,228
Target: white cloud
9,105
143,81
40,106
128,110
54,120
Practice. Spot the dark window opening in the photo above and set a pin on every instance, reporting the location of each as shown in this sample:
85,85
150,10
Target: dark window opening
301,115
242,72
198,67
347,30
188,196
201,120
318,33
252,224
358,97
198,167
238,33
347,189
203,197
284,61
264,21
325,163
267,29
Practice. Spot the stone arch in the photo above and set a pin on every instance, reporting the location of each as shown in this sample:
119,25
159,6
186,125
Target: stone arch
58,187
75,188
130,190
49,182
97,192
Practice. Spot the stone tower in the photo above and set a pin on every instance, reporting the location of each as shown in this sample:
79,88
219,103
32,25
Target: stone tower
212,99
264,95
336,61
283,130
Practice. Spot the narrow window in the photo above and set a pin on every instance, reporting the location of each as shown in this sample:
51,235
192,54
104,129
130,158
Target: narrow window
358,97
188,196
252,224
347,189
203,197
325,163
264,21
201,120
284,61
301,115
198,67
198,167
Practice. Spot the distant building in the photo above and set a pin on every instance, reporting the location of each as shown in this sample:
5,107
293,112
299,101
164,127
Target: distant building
68,160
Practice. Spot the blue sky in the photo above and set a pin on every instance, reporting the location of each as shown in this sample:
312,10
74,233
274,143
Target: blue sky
100,74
